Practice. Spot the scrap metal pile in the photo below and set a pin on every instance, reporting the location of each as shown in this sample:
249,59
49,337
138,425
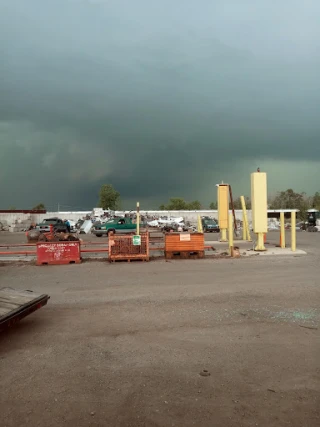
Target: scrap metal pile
168,224
35,235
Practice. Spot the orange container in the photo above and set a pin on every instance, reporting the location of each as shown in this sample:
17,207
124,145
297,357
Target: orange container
183,243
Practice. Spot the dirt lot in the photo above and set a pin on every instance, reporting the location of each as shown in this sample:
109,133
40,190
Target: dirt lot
124,344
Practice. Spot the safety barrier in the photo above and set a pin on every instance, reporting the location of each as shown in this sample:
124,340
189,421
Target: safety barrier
156,244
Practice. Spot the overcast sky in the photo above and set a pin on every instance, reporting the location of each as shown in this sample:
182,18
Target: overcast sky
159,98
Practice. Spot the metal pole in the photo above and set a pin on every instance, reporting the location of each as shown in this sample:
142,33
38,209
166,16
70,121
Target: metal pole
245,219
233,211
230,227
293,232
282,231
138,218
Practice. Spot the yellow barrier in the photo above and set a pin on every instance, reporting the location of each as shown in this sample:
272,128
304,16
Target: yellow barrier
231,229
293,232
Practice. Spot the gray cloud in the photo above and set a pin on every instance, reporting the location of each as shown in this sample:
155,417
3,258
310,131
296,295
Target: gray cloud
158,98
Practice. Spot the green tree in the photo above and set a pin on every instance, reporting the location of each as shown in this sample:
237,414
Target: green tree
39,207
289,199
316,201
176,204
194,206
213,206
109,198
162,207
237,203
179,204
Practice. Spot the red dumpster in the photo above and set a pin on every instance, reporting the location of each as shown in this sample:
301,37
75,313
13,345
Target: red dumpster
56,253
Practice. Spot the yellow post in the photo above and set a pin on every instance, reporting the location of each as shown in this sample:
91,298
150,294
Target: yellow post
244,230
230,231
293,232
223,210
245,223
282,231
259,207
200,228
138,219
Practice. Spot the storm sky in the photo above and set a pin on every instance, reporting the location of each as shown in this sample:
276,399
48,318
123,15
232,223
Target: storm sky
161,98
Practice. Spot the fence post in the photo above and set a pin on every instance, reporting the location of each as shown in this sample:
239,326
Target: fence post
293,232
231,230
282,232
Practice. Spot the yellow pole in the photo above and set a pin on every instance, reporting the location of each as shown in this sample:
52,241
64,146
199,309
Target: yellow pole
200,228
282,231
293,232
223,235
230,231
223,210
260,242
138,219
246,230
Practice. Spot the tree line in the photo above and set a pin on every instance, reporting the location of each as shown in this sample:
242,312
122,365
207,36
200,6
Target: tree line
109,198
288,199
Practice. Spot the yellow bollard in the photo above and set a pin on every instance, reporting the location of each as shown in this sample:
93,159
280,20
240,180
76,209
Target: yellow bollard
245,230
200,228
138,219
260,242
259,207
293,232
230,231
223,210
282,232
223,235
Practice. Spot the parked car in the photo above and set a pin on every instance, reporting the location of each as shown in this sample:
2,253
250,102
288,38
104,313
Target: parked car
209,225
57,223
116,225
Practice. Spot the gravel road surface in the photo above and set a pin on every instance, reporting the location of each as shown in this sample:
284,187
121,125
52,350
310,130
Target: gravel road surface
127,344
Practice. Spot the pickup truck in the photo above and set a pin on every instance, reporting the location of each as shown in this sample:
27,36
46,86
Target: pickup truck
116,225
209,225
58,225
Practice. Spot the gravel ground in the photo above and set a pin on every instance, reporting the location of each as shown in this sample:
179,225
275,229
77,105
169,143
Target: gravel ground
124,344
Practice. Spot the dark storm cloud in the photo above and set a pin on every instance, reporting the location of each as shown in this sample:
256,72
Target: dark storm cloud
164,92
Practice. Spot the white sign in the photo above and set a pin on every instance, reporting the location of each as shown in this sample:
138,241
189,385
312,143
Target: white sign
185,237
136,240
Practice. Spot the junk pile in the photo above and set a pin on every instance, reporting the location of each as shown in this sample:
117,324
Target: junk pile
4,226
20,225
34,236
170,224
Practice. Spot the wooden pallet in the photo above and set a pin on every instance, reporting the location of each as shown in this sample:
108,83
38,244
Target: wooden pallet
129,259
184,254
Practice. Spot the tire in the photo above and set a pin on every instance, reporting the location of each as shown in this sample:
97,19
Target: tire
98,235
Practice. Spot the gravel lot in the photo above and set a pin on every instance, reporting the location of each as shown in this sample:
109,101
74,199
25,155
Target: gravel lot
124,344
